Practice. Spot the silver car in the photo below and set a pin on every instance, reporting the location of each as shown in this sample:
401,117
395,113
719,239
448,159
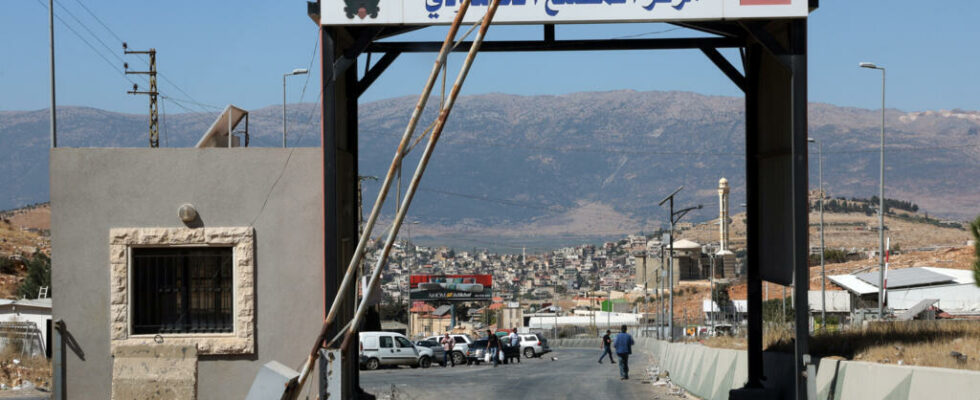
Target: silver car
437,350
533,345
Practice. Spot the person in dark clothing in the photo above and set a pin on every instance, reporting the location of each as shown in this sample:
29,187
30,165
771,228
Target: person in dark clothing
606,348
624,347
493,346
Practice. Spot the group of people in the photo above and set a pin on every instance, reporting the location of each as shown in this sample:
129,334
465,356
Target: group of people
494,346
623,344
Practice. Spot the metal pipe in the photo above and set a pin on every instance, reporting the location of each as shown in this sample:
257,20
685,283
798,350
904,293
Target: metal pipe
54,134
284,110
881,208
423,162
382,194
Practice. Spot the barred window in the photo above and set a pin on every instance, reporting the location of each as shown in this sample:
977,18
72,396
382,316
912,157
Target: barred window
181,290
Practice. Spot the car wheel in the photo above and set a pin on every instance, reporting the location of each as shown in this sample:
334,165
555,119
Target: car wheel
425,362
529,352
458,358
372,364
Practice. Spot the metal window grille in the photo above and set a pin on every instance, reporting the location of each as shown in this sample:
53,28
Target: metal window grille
182,290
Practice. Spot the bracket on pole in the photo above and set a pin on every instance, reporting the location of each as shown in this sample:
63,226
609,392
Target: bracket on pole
375,72
768,42
722,63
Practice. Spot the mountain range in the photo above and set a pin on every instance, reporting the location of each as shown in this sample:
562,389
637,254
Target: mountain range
591,164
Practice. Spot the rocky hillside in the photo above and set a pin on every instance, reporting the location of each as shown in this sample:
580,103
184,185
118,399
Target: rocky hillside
584,164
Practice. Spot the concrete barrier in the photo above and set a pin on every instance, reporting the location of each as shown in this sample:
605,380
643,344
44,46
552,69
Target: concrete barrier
844,380
710,373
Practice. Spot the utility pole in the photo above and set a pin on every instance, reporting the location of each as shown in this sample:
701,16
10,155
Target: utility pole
154,123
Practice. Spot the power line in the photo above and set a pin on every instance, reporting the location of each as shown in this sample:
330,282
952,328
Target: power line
113,33
99,20
316,46
90,46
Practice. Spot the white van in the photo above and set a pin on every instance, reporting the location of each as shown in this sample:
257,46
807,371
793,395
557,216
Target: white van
390,348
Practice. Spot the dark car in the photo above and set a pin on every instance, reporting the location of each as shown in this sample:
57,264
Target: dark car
479,347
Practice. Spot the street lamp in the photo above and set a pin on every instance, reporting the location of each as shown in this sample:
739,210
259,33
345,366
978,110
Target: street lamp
408,287
823,271
675,216
881,197
297,71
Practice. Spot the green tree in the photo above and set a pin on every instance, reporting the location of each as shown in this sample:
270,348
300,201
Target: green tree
38,276
975,230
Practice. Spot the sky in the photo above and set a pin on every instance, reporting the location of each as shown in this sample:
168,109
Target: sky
214,53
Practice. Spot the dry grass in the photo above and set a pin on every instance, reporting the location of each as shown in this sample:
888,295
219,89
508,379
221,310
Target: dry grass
924,343
36,370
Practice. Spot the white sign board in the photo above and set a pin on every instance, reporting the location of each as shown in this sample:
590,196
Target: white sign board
442,12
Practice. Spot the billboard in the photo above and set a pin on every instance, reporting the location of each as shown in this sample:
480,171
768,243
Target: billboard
442,12
451,287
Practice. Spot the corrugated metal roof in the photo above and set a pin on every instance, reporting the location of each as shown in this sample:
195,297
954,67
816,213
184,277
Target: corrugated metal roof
906,277
853,284
958,275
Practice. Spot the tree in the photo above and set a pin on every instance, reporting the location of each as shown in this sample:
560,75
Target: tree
975,230
38,276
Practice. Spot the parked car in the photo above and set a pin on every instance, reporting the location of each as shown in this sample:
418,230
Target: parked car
534,345
461,349
389,348
479,348
437,350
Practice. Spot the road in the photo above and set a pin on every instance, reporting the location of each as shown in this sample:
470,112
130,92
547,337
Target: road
573,375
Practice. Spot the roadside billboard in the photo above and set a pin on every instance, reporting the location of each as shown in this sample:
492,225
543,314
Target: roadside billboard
451,287
440,12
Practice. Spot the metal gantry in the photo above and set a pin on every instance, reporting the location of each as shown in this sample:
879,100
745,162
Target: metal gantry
772,74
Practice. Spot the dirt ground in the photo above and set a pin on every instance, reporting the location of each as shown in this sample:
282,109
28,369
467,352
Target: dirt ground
850,231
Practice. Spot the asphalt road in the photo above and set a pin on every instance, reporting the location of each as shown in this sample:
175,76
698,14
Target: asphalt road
574,375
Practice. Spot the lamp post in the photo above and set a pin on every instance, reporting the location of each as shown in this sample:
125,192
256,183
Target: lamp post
408,287
881,196
823,271
297,71
675,216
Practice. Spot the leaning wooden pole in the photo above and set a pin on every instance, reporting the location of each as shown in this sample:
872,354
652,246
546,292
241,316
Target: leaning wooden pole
382,194
420,169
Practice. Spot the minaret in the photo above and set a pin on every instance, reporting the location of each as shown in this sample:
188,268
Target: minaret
723,213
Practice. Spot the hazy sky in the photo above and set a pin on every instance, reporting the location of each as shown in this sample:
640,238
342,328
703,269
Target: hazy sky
236,52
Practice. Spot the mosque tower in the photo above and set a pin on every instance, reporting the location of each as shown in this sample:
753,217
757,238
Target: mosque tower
723,213
725,264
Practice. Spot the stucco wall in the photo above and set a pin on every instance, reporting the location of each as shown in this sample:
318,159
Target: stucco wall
276,191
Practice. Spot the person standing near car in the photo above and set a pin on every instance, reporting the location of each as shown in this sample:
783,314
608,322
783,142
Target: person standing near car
515,341
624,347
448,343
493,346
606,347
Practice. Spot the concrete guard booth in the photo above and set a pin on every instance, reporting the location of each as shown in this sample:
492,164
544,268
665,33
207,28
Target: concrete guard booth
279,226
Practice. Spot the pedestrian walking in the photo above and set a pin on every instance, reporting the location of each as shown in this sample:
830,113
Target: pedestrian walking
448,343
515,341
493,346
624,347
606,347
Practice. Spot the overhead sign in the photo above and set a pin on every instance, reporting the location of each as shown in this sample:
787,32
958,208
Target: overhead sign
438,12
451,287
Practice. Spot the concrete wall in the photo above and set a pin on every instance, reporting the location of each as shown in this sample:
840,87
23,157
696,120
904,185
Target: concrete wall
844,380
277,191
710,373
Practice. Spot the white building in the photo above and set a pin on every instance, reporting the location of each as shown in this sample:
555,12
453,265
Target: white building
15,312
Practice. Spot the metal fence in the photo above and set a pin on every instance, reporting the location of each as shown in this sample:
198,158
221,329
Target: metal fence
21,337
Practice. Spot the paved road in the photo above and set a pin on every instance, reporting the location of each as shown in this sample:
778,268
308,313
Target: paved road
574,375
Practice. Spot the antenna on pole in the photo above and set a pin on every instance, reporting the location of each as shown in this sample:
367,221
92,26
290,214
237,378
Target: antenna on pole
154,121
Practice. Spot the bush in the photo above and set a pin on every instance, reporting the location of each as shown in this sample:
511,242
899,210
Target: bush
38,276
